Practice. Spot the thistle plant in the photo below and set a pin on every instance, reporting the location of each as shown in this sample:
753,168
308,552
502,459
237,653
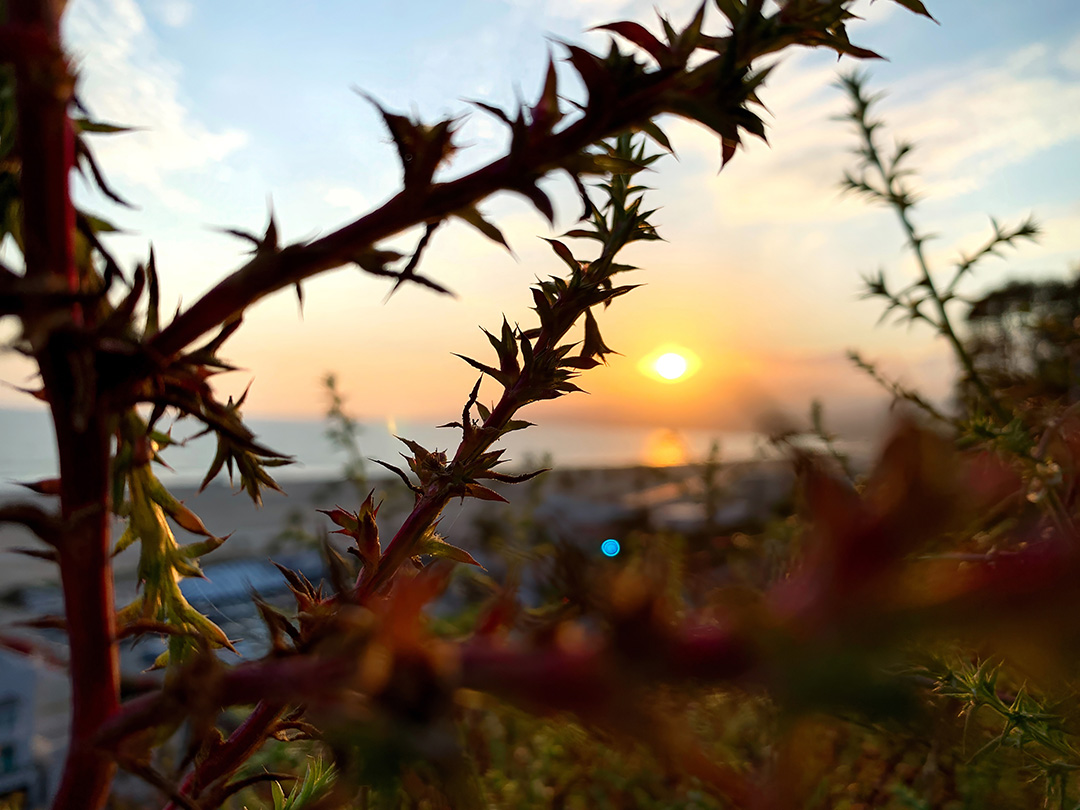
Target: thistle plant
356,667
161,607
991,695
987,418
882,177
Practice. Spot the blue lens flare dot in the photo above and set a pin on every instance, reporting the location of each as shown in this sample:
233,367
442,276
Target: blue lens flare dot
610,547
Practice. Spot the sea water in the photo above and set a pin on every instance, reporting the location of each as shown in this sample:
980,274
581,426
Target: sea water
27,449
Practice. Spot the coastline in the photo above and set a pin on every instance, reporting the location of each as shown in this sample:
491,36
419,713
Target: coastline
564,495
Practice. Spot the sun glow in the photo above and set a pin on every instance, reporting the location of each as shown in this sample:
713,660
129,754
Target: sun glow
670,366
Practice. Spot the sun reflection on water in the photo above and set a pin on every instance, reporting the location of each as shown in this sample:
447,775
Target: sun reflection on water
665,448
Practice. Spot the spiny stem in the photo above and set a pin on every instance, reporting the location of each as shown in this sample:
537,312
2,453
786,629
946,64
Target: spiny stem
897,198
945,323
66,360
236,750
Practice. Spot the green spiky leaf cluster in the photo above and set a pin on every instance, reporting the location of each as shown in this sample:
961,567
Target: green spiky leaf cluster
317,781
163,562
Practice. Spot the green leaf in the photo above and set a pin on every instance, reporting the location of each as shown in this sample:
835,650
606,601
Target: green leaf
579,362
433,545
126,539
590,163
594,345
98,127
375,261
538,198
507,478
653,131
100,225
517,424
152,317
399,473
503,378
732,9
546,113
422,148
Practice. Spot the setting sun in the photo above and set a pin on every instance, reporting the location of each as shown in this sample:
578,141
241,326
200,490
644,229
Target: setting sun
670,366
670,363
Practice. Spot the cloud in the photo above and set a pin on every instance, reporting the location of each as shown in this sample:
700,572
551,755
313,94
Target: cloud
588,13
353,201
1070,55
174,13
124,79
597,12
983,117
968,121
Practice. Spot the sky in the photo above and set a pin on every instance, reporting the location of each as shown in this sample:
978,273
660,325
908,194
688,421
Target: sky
241,106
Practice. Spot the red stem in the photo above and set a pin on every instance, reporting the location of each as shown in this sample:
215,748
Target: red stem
46,145
23,44
86,575
242,743
550,676
403,546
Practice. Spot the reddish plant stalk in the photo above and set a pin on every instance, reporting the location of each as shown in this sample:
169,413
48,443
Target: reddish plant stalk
403,546
66,358
253,732
46,143
86,576
240,746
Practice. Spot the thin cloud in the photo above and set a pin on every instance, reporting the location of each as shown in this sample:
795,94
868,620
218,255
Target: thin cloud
1070,55
353,201
589,13
984,118
174,13
967,122
123,78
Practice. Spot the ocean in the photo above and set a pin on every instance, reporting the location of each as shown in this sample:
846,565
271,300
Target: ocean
28,454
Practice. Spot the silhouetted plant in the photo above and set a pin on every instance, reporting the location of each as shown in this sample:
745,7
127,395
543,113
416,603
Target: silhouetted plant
356,667
883,179
1013,407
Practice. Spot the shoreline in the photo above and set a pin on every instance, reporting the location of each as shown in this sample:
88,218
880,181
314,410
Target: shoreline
261,531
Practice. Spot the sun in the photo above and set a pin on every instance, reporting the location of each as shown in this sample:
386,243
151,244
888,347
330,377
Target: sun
671,365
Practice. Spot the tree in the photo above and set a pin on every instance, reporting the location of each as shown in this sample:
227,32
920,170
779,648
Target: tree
1023,337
